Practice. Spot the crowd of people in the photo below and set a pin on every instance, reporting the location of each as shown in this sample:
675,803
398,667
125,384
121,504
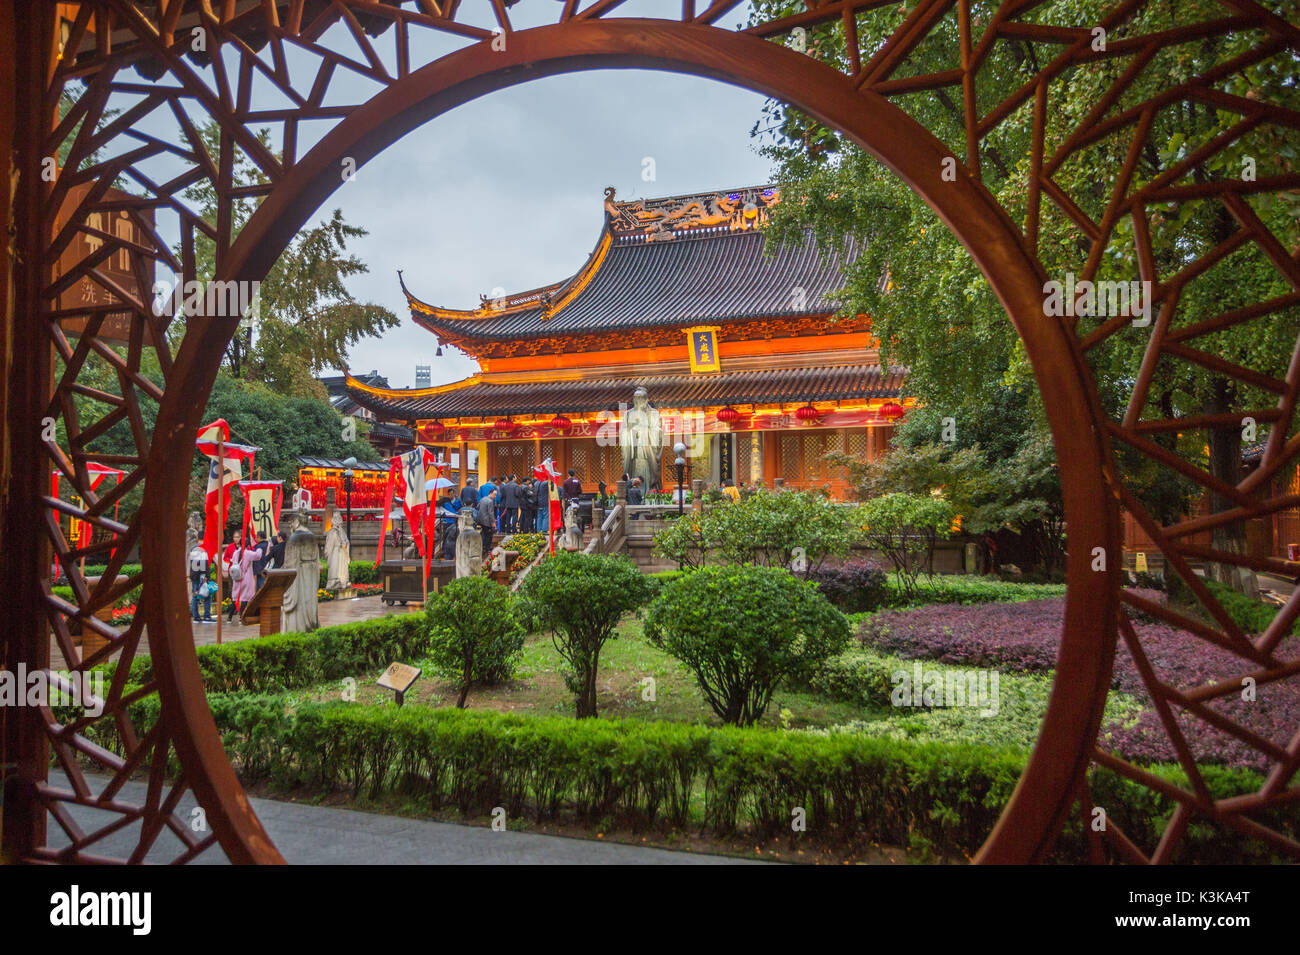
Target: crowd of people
503,504
242,566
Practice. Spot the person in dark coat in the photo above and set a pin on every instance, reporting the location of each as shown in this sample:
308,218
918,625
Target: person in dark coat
571,487
469,494
487,519
275,559
448,527
261,561
636,493
527,506
510,506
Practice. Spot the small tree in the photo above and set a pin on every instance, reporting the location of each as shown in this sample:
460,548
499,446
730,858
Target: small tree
905,527
580,599
742,630
475,634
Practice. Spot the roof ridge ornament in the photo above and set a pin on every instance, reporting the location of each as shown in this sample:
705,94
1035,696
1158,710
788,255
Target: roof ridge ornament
671,217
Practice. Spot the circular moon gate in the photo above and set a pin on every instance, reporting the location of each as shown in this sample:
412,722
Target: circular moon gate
258,44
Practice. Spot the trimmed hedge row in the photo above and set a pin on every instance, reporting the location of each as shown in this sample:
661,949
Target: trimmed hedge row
359,572
293,660
934,797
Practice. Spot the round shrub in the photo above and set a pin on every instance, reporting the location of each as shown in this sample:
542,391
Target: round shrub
742,630
854,586
474,633
580,598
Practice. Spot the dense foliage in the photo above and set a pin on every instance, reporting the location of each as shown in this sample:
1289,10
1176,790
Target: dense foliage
742,630
1025,637
934,312
854,586
580,598
934,797
474,632
905,527
294,660
798,529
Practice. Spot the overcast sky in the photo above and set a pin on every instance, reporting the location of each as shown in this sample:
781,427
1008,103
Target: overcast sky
507,191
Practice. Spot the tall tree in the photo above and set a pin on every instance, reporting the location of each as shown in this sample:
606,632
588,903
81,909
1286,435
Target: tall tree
934,312
305,318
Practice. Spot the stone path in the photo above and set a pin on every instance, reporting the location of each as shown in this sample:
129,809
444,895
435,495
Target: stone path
315,835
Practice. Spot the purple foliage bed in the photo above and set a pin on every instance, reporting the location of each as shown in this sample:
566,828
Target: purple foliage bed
1025,637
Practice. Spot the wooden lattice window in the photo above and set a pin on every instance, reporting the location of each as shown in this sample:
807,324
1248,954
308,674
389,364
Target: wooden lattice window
791,468
856,443
578,461
744,457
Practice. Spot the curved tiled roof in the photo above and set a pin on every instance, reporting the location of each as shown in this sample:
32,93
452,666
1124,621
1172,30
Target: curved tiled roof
707,276
486,399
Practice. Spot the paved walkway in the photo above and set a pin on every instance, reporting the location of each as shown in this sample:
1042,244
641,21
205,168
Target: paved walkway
315,835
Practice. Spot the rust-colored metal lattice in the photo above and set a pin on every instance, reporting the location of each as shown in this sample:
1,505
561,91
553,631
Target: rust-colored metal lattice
181,64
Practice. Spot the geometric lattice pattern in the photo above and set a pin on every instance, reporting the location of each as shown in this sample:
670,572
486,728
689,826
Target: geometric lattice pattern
140,83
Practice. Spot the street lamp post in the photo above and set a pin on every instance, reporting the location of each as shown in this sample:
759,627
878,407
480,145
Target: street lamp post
680,450
348,479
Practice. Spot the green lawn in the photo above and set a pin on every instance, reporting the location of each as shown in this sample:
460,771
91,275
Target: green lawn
629,660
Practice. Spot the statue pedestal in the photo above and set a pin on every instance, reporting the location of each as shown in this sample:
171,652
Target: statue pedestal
344,593
402,579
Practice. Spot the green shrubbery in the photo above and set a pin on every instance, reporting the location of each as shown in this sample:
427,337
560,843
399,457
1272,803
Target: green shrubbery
474,632
580,598
968,589
293,660
946,797
1251,615
742,630
905,527
770,529
359,572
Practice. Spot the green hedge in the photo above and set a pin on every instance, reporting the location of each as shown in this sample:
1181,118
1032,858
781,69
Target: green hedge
293,660
937,798
359,572
1252,616
969,589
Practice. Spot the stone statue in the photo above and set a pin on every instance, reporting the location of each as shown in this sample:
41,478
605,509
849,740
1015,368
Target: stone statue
301,554
641,437
338,552
469,545
193,535
572,530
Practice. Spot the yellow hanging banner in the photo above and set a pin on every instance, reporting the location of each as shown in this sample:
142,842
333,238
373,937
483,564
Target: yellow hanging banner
702,345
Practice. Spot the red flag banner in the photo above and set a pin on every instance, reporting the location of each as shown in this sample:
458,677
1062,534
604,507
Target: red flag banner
220,474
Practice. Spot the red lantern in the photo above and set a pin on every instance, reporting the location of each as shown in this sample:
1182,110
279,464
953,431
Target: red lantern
807,413
435,428
504,424
728,414
891,411
561,423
